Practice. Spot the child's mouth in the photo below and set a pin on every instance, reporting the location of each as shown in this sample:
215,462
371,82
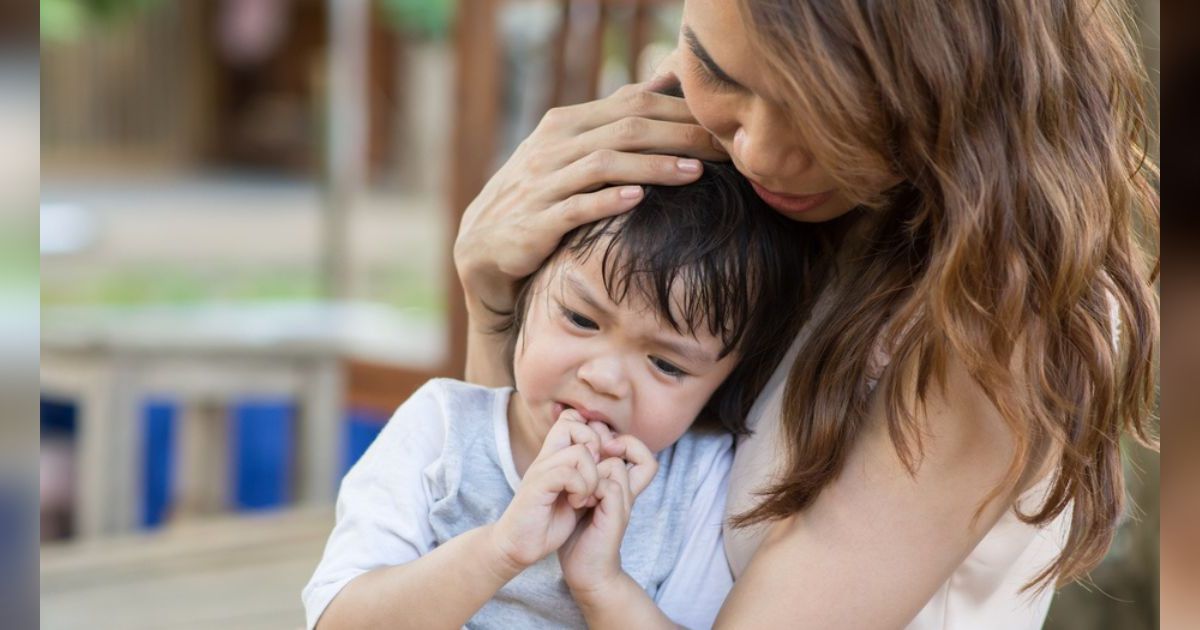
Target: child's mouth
586,414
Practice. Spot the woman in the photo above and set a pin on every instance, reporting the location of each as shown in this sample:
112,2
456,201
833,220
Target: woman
941,445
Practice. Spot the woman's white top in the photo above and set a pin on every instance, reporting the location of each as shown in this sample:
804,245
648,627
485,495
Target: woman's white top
983,592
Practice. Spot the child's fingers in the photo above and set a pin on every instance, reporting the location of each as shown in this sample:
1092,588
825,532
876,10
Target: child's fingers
614,469
602,430
643,464
576,458
568,482
612,504
576,487
568,430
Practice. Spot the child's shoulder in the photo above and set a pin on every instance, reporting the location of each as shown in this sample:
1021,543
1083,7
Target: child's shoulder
452,399
450,391
706,439
706,449
439,407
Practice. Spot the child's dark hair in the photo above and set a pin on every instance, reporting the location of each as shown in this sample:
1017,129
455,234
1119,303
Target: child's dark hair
748,275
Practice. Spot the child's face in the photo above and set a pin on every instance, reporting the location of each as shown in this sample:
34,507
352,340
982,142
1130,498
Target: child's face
617,363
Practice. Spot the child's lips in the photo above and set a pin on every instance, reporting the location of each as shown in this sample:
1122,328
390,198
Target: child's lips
588,415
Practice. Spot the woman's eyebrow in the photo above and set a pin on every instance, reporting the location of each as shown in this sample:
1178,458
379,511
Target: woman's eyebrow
702,54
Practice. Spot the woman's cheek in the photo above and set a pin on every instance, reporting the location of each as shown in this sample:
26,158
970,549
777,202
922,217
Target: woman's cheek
708,110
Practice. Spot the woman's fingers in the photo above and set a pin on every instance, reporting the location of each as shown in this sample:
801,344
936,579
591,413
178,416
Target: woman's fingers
636,134
635,99
582,208
609,169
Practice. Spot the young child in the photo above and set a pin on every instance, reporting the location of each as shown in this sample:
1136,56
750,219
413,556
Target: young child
635,328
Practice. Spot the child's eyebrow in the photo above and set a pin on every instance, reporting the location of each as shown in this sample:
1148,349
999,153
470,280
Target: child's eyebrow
688,351
580,289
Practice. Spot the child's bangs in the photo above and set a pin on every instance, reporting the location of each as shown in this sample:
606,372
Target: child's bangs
688,274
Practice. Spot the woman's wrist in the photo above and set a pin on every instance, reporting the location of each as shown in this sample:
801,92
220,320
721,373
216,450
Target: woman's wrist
488,295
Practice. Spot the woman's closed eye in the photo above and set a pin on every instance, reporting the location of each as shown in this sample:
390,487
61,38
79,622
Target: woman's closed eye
668,368
711,79
579,321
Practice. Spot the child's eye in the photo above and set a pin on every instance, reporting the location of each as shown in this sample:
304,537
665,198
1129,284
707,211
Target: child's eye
667,368
579,321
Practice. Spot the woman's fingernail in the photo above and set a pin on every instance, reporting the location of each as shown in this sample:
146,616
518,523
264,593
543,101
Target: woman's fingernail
688,166
631,192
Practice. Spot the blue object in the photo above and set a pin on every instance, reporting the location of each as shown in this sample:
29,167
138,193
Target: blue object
159,420
58,416
362,427
263,441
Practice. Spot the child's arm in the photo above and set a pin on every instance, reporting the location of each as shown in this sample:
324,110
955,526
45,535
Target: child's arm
622,604
591,559
441,589
448,585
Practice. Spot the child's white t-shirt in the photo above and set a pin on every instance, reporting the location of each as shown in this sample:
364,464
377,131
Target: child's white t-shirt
443,465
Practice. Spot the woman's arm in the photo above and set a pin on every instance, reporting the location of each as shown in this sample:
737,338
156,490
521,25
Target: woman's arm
876,545
567,173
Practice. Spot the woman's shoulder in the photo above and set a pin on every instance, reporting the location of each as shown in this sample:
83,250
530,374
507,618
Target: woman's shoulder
883,526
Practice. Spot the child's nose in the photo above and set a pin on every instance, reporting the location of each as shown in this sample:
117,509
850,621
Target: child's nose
605,375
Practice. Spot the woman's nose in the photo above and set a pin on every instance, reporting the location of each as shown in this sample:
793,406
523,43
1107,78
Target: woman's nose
605,375
763,150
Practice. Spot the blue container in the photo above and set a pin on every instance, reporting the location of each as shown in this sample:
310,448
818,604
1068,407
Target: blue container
159,424
263,433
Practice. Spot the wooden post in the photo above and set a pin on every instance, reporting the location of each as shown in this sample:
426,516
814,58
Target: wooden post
476,123
346,81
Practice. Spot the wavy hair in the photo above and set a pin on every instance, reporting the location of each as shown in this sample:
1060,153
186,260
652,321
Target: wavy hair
1021,243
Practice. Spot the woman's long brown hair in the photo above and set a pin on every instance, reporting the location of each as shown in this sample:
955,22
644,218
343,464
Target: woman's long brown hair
1020,244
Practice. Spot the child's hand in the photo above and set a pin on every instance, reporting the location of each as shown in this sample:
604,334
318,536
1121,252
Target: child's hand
558,486
591,558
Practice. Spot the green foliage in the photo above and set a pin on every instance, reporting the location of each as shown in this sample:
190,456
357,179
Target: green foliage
67,19
423,18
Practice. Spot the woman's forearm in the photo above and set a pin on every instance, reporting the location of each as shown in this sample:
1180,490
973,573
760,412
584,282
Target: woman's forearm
486,361
442,589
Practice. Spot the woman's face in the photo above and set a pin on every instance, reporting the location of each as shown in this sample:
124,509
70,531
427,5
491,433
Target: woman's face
727,92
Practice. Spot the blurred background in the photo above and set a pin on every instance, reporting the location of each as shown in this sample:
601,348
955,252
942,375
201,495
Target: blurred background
246,211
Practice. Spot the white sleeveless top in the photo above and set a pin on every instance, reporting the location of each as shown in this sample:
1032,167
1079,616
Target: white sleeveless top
983,592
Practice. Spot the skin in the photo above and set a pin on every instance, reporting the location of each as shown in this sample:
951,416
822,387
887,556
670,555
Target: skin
633,385
731,99
619,363
878,528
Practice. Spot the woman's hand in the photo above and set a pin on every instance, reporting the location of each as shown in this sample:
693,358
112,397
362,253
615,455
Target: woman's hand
591,557
558,486
569,172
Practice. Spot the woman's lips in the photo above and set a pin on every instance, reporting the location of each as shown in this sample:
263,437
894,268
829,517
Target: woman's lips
792,204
